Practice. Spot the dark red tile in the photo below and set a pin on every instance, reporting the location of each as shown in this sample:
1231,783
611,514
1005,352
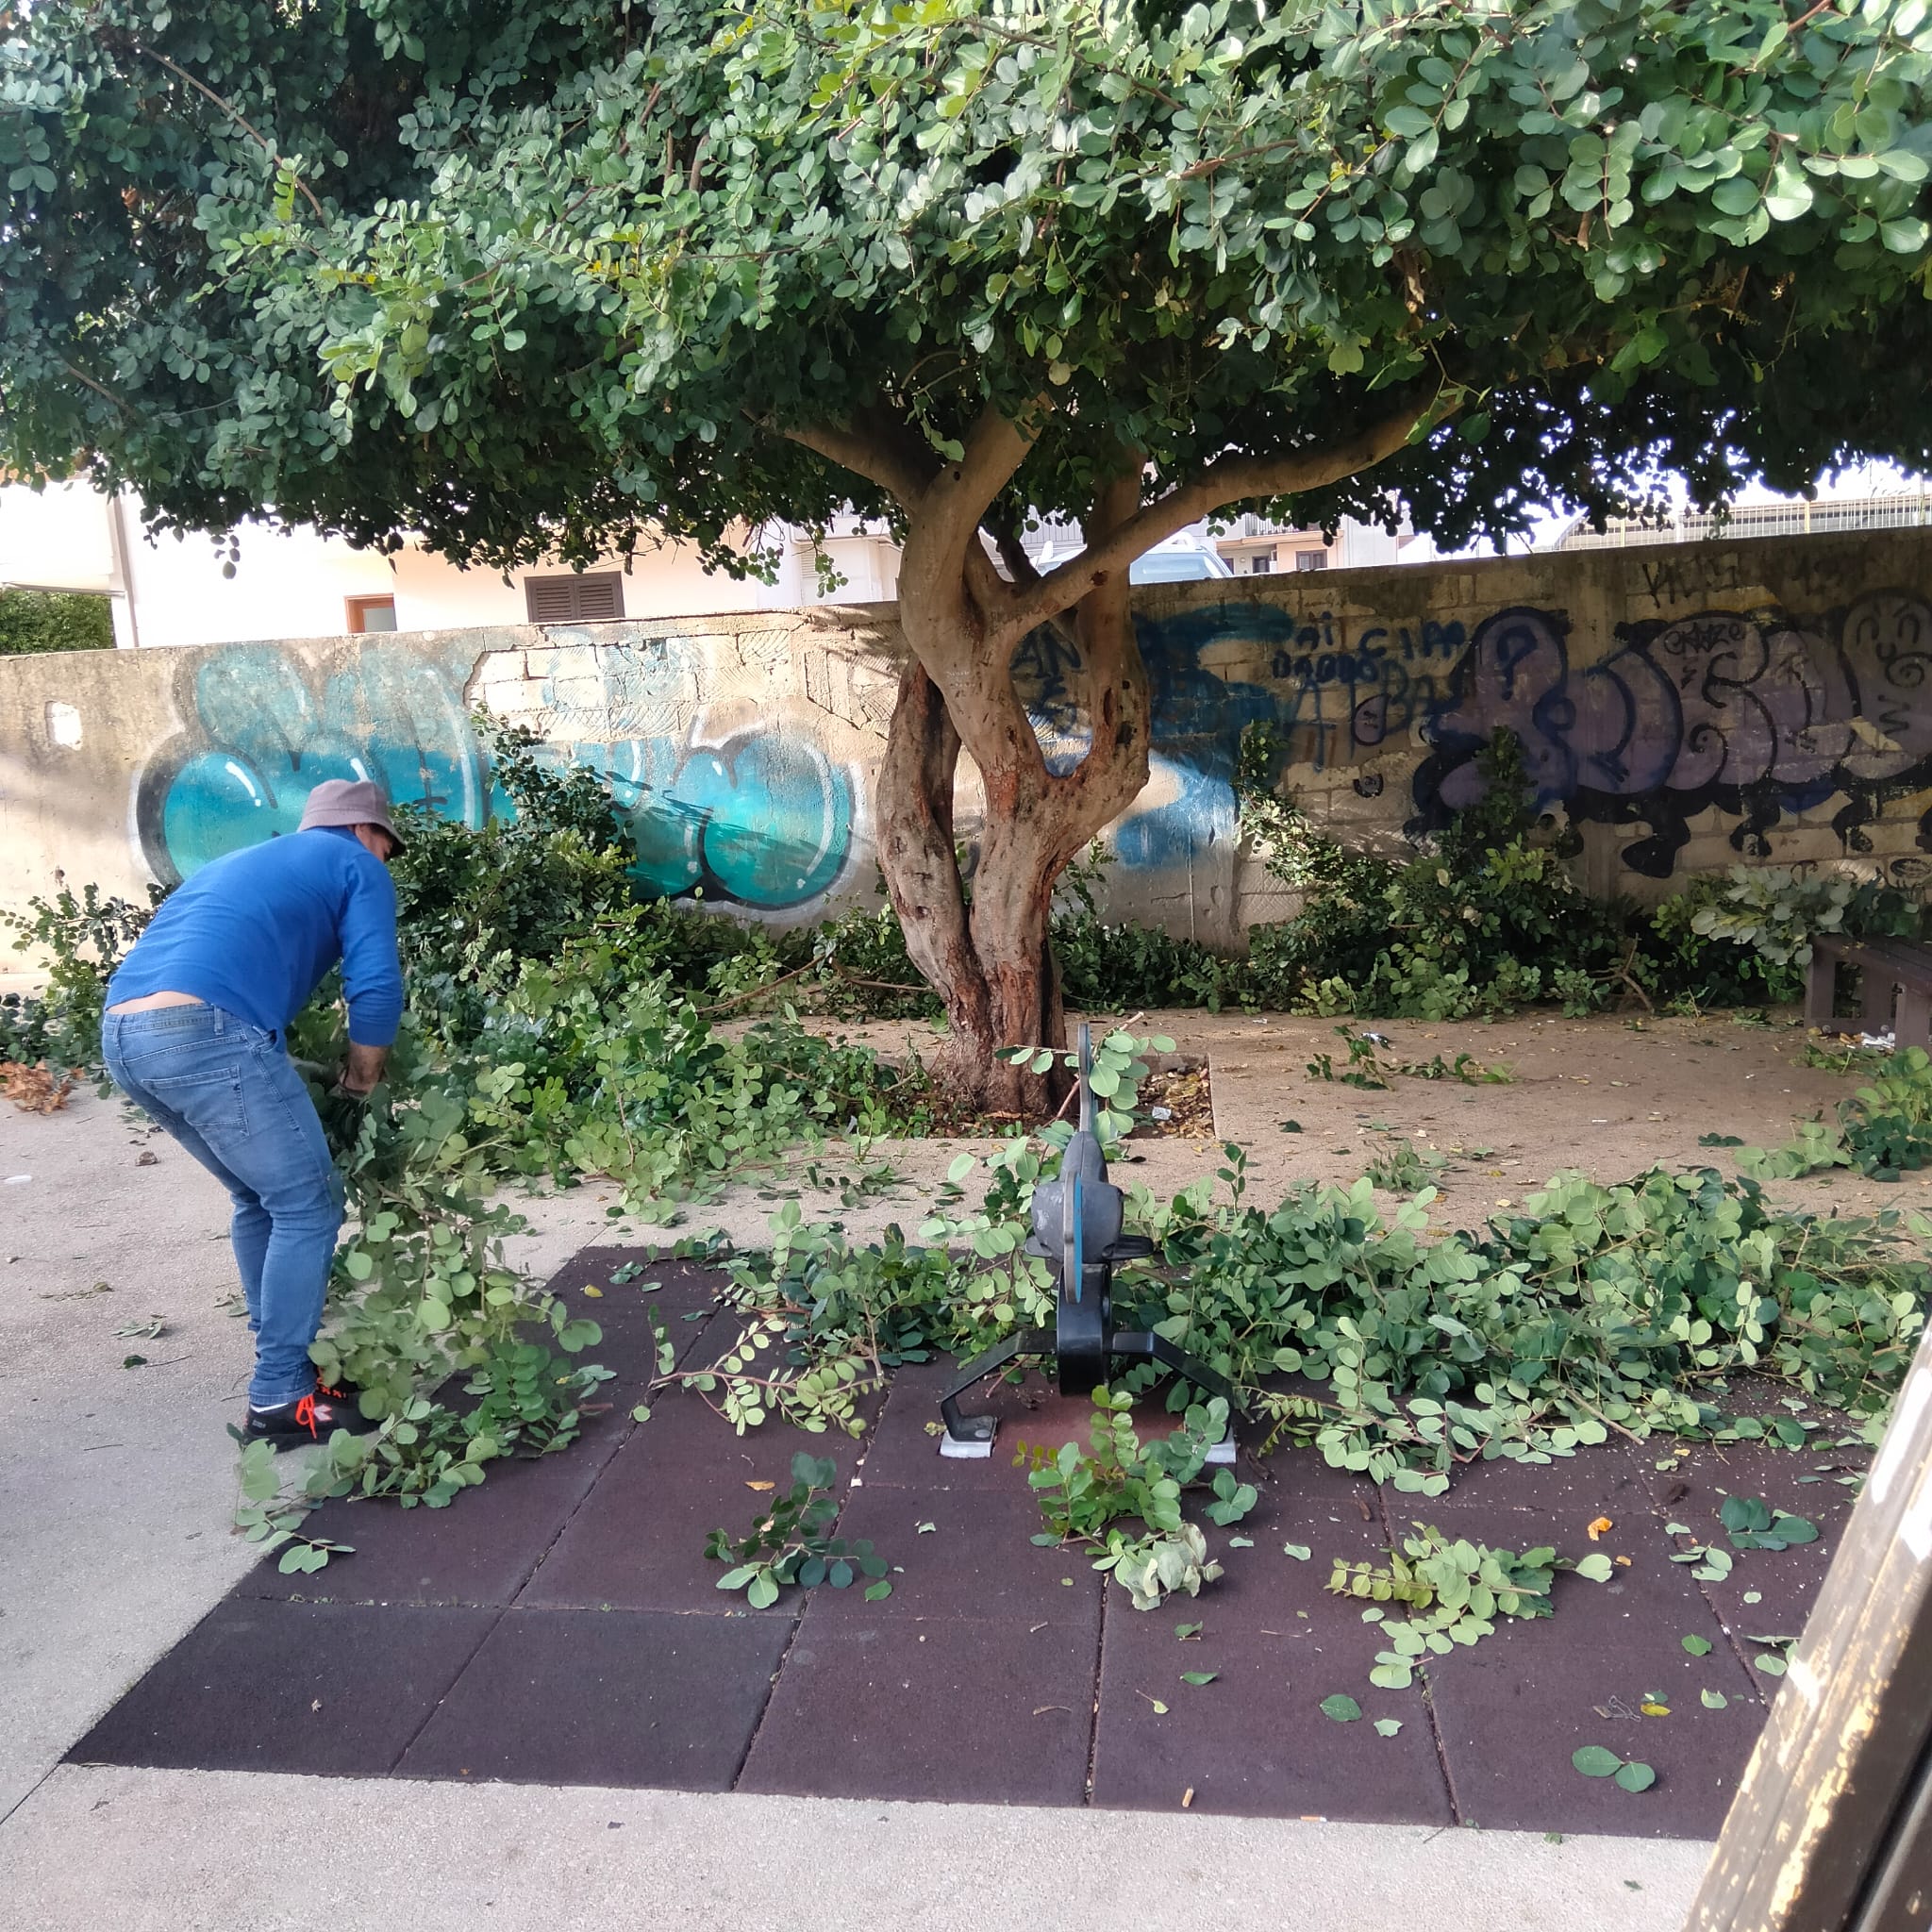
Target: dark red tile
481,1549
316,1688
1511,1708
906,1447
1568,1492
683,1300
978,1559
1784,1582
957,1709
606,1698
637,1541
1256,1740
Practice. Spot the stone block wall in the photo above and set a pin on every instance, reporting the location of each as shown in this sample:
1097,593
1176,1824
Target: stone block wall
1687,707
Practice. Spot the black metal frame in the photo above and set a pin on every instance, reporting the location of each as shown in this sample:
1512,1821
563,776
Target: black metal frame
1076,1222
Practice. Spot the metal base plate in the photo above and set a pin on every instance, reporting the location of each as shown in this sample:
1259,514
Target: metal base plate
967,1448
1222,1453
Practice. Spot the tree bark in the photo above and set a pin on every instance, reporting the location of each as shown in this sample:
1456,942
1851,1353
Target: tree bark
993,962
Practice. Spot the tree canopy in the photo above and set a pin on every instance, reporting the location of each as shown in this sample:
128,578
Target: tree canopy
521,274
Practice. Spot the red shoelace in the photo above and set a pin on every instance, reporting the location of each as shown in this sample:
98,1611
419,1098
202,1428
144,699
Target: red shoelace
305,1415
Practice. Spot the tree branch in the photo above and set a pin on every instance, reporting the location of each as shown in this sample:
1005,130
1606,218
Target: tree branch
882,460
235,114
942,546
1230,480
1005,533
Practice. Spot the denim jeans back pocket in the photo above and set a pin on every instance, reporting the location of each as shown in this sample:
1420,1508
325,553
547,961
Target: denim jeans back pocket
208,1098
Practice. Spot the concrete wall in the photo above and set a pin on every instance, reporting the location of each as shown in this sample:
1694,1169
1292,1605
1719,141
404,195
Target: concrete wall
1686,707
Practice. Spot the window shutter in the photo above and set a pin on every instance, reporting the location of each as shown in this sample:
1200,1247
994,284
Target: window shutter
573,599
600,597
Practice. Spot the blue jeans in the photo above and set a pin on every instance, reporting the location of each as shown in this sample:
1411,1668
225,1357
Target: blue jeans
224,1090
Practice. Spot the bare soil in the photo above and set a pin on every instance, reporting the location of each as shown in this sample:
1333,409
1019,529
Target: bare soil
1609,1095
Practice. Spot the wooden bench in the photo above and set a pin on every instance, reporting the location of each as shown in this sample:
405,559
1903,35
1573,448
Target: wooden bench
1897,986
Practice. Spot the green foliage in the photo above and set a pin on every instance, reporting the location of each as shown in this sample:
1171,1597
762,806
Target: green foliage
1162,1563
1777,913
1752,1524
562,279
1084,1491
1598,1760
1455,1590
1116,1074
1884,1130
1366,1069
272,1521
1483,919
83,938
1594,1309
789,1543
34,621
1086,1494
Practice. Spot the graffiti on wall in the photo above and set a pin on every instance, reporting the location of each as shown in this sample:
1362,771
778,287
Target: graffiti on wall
1759,714
761,817
725,791
264,729
741,759
1332,690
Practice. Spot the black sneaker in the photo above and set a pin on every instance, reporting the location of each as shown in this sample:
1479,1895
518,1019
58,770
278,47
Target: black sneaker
309,1419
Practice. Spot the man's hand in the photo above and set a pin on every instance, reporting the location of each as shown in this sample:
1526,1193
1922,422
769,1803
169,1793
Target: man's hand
363,1068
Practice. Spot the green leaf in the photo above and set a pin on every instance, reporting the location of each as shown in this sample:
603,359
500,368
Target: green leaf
1300,1552
1199,1677
1697,1646
1341,1708
1594,1568
1636,1778
1387,1726
875,1593
1593,1761
1406,120
1713,1700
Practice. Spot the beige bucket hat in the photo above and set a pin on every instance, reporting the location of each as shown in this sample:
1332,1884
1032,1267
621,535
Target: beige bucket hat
348,802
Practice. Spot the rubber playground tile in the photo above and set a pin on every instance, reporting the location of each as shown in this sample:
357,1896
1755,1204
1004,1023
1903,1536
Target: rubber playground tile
637,1541
965,1553
482,1549
1511,1708
1256,1740
323,1689
683,1302
1600,1479
606,1698
1783,1584
961,1710
906,1447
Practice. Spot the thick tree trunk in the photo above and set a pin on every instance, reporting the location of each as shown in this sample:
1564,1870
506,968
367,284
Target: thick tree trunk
991,963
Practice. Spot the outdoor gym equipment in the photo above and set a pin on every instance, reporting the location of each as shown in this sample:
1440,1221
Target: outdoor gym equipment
1076,1231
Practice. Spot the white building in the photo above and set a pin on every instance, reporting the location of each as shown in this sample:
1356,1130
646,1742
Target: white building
265,582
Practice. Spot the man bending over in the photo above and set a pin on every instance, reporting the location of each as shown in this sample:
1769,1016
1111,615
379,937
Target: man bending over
193,1034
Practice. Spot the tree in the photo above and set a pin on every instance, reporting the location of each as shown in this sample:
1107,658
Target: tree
54,620
533,278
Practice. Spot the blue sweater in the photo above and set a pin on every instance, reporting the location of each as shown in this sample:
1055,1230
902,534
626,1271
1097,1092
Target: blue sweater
254,932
